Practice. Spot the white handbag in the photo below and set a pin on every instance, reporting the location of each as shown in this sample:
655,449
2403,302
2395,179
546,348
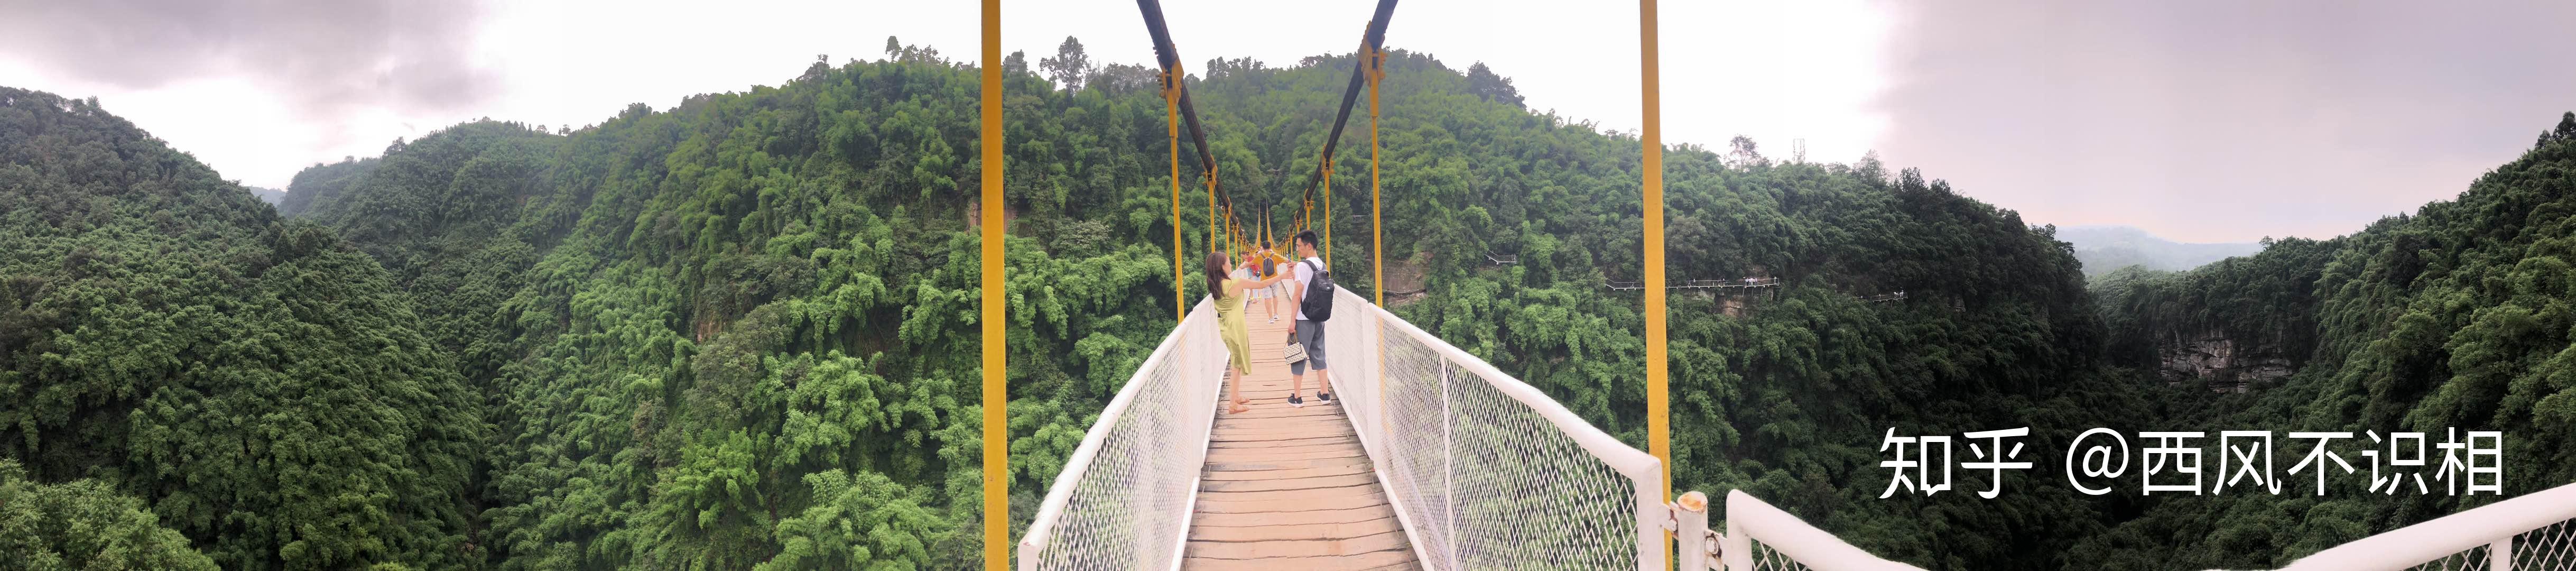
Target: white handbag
1294,353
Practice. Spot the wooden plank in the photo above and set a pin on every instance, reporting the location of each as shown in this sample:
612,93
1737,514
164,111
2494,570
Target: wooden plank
1242,465
1335,530
1247,428
1229,426
1278,442
1239,455
1360,561
1240,475
1289,487
1311,411
1350,515
1345,447
1328,502
1387,541
1256,435
1292,495
1318,482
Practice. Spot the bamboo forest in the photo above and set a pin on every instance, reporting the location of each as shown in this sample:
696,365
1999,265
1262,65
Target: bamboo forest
739,332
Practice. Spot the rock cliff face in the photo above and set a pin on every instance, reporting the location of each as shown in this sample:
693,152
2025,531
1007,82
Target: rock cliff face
2221,363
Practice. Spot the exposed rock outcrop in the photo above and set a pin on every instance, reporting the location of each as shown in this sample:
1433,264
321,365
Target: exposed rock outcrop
2221,363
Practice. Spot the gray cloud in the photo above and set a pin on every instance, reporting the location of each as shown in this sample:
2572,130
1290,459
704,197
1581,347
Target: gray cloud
329,56
2222,120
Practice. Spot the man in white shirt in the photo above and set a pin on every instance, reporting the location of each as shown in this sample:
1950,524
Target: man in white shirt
1309,334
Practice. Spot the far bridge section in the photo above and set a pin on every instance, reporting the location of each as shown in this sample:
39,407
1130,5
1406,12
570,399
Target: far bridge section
1477,470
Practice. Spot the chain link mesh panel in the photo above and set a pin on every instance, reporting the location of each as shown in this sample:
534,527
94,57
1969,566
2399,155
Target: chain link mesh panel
2471,560
2550,548
1126,507
1527,495
1767,559
1482,478
1415,457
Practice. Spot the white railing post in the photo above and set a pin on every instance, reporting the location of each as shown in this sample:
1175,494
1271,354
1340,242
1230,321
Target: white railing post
1748,519
1449,459
1735,547
1690,530
1156,499
2492,525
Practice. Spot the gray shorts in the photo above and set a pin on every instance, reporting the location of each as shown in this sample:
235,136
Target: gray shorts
1311,335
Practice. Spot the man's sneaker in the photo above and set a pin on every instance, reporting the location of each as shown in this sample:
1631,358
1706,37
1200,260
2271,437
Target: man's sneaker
1326,397
1294,402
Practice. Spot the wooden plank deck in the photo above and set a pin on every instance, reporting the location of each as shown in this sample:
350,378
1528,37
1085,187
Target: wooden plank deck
1289,488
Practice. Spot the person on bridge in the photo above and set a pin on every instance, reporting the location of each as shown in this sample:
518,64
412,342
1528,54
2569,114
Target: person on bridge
1229,295
1308,333
1269,264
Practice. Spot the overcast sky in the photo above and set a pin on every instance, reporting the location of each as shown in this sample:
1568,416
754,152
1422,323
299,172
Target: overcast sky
2197,121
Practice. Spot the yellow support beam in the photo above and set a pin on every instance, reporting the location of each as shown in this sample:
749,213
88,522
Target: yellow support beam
1215,225
997,424
1377,236
1172,126
1328,211
1659,429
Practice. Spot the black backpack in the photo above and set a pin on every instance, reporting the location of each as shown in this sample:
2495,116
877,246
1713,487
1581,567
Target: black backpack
1317,302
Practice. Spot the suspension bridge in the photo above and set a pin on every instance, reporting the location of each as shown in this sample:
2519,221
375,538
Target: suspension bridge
1431,458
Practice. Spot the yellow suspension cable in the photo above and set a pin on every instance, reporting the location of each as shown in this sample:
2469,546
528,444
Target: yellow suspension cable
1172,127
1328,211
1213,222
1659,434
997,435
1377,235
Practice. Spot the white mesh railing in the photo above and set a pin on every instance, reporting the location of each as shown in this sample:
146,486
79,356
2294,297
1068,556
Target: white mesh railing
1124,498
1762,538
2533,532
1484,471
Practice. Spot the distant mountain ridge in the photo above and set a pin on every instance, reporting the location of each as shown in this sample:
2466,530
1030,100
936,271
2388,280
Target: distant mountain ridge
269,195
2103,249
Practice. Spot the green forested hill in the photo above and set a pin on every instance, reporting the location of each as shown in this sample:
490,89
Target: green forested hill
739,332
255,383
2458,316
708,333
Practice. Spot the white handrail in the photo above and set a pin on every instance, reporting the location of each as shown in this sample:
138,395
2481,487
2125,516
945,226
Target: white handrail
1749,520
2449,535
1619,455
1184,343
1363,330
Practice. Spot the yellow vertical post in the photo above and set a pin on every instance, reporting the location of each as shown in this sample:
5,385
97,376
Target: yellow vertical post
997,434
1659,430
1377,236
1172,126
1328,211
1213,222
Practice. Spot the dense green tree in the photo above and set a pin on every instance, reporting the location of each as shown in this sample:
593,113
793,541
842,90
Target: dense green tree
83,525
740,332
2455,317
256,382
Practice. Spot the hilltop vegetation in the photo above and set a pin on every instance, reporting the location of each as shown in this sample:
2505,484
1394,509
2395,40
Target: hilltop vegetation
740,304
254,382
2458,316
739,333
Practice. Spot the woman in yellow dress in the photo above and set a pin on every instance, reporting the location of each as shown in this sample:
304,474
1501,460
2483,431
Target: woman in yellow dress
1229,322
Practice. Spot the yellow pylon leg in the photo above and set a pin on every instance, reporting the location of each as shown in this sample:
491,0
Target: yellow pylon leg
1659,430
997,435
